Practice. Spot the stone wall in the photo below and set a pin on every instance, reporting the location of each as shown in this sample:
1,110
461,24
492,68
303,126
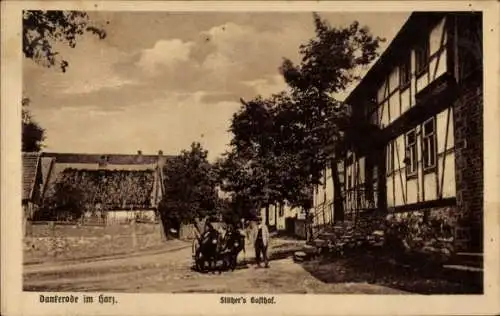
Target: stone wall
429,231
56,242
468,120
370,221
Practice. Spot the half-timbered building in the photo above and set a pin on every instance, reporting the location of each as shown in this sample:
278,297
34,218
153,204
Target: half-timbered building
417,146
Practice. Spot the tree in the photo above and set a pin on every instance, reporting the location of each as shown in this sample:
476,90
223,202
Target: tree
281,145
246,183
190,189
66,203
251,170
317,122
33,134
42,28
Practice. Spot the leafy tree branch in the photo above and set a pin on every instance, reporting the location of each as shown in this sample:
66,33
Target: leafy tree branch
41,29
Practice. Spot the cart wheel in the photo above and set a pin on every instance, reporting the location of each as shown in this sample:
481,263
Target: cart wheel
235,262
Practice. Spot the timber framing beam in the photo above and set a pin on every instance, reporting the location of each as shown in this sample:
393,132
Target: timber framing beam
424,205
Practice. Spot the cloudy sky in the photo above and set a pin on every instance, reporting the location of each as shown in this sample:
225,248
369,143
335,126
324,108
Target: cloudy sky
162,80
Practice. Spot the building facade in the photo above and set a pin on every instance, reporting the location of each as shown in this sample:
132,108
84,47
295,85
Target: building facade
280,217
417,144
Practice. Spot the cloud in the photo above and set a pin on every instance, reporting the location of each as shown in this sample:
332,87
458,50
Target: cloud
221,60
146,126
219,96
268,85
245,52
88,85
178,82
164,53
91,70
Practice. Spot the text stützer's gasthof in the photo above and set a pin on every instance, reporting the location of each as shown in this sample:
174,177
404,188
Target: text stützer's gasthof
245,300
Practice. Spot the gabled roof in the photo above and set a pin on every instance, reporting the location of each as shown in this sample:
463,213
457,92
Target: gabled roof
407,36
46,166
112,159
30,170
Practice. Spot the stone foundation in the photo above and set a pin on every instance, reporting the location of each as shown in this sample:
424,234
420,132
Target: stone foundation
439,230
370,221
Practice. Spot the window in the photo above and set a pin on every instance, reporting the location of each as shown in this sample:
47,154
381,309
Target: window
411,153
384,114
390,157
103,162
382,91
422,58
429,144
393,80
349,180
405,72
341,174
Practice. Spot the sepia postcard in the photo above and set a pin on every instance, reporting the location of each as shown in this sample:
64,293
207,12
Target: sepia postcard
230,158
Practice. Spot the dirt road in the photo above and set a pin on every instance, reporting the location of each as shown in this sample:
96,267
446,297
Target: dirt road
169,271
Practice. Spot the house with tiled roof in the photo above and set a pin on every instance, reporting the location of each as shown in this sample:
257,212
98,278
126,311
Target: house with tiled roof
118,187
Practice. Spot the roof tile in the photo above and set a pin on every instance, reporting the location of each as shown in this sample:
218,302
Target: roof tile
30,164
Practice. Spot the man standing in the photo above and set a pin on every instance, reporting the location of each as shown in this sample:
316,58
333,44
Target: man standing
261,242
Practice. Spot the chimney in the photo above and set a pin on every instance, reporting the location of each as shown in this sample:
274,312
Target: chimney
103,161
139,156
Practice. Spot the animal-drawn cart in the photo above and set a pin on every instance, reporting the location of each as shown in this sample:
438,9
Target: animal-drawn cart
213,251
